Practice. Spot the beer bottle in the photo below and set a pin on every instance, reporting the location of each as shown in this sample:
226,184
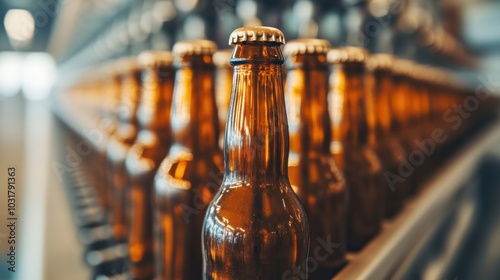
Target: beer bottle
121,142
314,176
403,105
390,151
145,156
110,90
223,84
190,174
422,127
255,227
350,146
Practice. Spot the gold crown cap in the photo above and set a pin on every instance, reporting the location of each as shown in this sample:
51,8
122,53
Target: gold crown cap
380,61
306,46
347,54
155,58
257,34
194,47
221,58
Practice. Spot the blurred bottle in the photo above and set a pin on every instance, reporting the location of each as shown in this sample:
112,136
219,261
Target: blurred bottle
256,228
110,90
350,146
121,142
314,176
405,107
145,156
223,84
380,118
190,174
422,127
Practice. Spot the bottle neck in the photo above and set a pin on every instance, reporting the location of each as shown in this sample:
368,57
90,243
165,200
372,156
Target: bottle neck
306,99
399,104
224,82
130,92
382,113
347,108
194,114
153,113
256,139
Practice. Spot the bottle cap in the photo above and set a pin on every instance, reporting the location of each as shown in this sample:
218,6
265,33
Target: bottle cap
126,65
221,58
256,34
194,47
347,55
155,58
306,46
403,67
380,61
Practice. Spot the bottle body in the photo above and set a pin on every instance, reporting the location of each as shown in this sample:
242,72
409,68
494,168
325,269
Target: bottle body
184,186
189,176
314,175
402,104
251,243
353,153
142,163
388,147
118,148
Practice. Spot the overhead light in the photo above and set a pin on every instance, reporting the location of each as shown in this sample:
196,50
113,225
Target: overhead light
20,27
39,73
11,64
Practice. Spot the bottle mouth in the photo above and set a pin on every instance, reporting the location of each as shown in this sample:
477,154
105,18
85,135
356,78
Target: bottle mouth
258,53
238,61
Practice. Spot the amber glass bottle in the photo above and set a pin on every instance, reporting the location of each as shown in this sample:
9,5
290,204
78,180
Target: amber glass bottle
256,228
145,156
108,92
314,176
121,142
406,110
350,146
223,84
190,174
387,146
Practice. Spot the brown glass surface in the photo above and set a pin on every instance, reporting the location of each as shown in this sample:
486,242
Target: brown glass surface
106,127
387,146
255,227
314,176
118,147
353,154
223,84
189,176
405,106
143,160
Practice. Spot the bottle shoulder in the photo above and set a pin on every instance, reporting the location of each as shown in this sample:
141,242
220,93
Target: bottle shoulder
263,206
362,159
182,170
318,174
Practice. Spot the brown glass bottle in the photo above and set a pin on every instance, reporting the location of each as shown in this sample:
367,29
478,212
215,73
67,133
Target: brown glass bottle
406,110
190,174
256,228
350,146
145,156
121,142
223,84
110,91
314,176
387,146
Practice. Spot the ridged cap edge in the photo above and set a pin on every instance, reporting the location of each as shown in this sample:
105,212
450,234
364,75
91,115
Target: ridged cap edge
257,34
